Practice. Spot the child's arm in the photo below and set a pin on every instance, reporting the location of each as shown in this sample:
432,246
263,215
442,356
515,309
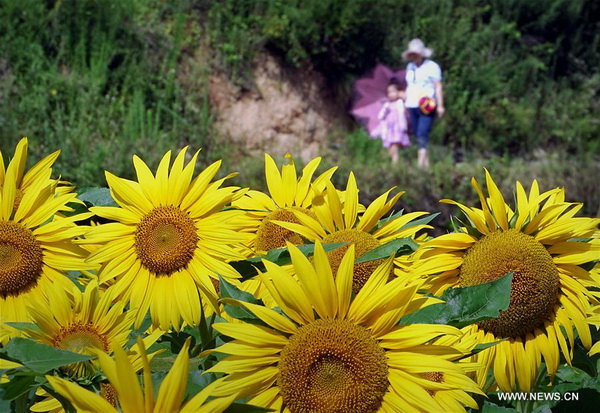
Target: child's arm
384,111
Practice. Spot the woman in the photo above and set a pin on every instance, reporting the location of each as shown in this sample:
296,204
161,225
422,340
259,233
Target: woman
424,79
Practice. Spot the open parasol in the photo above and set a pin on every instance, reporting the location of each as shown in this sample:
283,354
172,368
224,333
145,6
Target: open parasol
370,95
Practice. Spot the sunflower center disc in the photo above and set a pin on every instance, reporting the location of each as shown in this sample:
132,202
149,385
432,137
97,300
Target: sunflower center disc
78,337
363,243
21,259
535,285
333,366
270,236
165,240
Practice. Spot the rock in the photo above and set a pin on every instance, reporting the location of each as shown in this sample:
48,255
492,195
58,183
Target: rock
287,110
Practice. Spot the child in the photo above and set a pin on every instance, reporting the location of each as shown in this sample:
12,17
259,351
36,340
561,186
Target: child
394,131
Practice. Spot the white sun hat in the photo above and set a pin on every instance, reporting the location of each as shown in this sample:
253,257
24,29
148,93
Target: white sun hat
416,46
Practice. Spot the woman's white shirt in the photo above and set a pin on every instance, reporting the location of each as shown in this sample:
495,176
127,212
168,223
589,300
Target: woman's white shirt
421,81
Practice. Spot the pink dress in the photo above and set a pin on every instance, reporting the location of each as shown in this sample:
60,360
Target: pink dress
394,127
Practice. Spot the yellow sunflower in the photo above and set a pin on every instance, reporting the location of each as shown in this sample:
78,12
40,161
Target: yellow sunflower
544,246
170,240
131,397
36,245
83,322
287,193
40,171
328,350
340,220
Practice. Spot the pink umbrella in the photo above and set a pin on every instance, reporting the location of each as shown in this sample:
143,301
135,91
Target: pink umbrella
370,95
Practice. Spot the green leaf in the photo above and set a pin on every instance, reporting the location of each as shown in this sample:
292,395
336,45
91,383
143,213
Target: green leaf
492,408
39,357
24,326
466,305
387,249
577,377
583,361
246,268
77,208
229,290
97,196
198,380
18,385
246,408
241,313
177,339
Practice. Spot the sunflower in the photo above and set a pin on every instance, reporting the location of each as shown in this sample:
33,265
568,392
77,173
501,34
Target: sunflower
287,193
328,350
131,397
83,322
544,246
170,240
40,171
36,245
340,220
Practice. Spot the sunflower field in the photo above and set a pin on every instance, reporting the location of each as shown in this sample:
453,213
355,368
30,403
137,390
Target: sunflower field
177,291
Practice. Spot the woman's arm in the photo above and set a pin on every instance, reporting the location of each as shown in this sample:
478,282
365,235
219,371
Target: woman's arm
439,96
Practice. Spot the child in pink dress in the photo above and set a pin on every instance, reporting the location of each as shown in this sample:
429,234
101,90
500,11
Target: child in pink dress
394,127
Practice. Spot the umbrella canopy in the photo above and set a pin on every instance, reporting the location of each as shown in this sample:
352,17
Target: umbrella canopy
370,95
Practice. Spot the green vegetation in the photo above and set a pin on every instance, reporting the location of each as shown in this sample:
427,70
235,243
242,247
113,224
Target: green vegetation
104,79
100,80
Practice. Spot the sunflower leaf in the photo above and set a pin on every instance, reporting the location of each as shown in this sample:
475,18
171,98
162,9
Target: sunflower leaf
24,326
97,196
230,291
246,408
466,305
39,357
395,246
18,385
489,407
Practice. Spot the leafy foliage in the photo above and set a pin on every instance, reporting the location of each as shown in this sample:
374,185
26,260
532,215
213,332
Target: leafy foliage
39,357
466,305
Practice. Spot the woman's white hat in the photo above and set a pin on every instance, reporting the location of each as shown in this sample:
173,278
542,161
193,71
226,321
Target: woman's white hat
417,46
